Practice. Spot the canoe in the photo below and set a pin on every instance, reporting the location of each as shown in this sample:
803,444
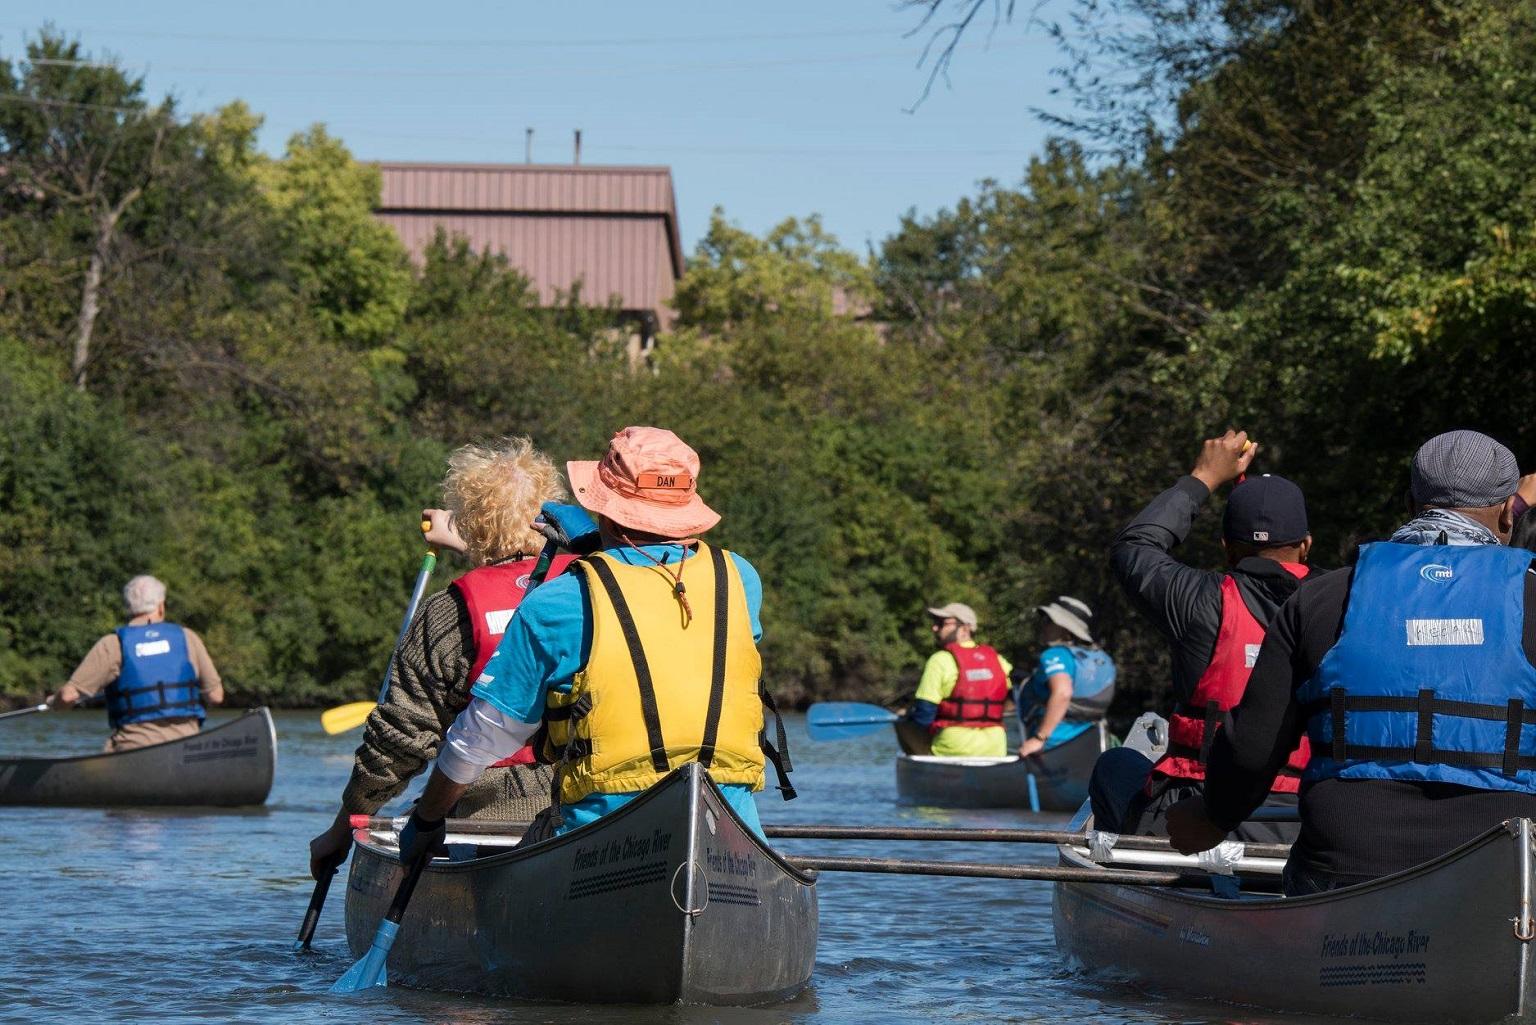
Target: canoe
1053,780
1448,941
227,765
669,899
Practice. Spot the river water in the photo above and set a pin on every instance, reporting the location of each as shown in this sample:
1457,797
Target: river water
167,916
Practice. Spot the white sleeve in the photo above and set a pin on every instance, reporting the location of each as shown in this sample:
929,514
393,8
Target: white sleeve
480,736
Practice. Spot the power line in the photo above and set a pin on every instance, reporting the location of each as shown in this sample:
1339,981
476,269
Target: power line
478,42
321,71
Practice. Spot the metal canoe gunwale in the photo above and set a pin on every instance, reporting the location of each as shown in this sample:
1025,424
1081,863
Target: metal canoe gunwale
200,735
156,775
1509,828
678,777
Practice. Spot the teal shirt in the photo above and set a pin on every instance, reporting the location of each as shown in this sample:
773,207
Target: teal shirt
1036,691
549,641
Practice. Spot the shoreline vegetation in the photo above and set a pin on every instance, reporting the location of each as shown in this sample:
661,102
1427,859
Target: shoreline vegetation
217,367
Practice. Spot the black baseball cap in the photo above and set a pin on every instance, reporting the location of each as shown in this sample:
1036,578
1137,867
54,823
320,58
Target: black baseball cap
1266,510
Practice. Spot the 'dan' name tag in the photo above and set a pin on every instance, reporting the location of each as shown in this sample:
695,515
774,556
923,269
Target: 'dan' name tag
148,648
1445,632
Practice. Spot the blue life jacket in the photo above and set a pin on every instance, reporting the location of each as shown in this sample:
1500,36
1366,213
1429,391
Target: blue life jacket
1093,688
1429,679
158,680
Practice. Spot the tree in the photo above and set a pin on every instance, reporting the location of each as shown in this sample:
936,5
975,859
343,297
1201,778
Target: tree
78,135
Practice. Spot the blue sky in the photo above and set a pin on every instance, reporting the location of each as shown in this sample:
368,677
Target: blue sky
767,110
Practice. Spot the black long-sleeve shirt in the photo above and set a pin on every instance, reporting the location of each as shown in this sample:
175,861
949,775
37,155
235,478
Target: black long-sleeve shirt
1182,602
1348,827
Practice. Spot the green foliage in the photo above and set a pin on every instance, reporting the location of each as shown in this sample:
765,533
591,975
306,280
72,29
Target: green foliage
1328,237
352,268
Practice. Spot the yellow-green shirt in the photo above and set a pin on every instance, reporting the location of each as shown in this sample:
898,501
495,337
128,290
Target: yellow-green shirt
939,678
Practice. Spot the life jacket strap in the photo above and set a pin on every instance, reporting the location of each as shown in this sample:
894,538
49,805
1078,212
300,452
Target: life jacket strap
717,671
778,756
648,708
575,747
1425,706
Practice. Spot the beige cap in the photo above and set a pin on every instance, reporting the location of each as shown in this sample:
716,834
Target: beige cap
956,610
1072,615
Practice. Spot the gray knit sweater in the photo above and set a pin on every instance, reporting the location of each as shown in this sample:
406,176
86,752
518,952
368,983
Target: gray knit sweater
428,687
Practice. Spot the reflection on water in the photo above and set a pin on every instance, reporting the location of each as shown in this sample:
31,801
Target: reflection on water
175,916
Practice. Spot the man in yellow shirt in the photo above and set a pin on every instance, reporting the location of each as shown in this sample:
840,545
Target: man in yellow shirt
959,700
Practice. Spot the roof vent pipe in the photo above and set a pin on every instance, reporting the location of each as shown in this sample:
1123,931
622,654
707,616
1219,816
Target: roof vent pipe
528,145
577,158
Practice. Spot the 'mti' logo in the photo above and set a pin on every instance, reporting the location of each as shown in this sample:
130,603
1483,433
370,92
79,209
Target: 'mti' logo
1436,573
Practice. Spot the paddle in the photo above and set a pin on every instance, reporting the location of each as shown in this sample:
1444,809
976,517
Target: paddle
555,523
23,711
839,720
370,969
350,716
312,913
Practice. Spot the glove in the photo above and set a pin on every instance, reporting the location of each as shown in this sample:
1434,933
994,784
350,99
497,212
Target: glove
422,838
569,526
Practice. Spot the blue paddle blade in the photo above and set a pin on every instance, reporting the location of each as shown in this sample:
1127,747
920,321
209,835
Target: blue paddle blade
370,970
838,720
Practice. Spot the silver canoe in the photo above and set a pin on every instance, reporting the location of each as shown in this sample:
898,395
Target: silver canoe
1448,941
670,899
1054,780
226,765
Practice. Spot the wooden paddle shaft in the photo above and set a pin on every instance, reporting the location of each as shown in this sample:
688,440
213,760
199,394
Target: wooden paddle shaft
491,827
980,870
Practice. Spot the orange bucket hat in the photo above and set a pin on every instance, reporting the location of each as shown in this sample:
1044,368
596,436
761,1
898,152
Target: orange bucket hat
647,480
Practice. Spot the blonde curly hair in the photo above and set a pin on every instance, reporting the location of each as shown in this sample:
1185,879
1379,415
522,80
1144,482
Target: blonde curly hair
494,493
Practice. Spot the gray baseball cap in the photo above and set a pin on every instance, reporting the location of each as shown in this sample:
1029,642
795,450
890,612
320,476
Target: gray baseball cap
956,610
1463,470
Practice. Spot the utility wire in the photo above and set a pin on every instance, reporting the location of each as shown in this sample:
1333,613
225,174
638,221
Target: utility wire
521,72
481,42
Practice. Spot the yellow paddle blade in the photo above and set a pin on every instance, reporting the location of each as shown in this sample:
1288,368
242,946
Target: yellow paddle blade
346,717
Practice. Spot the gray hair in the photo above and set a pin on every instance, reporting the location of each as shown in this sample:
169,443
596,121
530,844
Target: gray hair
143,594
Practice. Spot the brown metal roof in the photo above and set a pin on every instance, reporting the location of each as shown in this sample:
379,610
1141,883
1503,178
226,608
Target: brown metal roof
613,229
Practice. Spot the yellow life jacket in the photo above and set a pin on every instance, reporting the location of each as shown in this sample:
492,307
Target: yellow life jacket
660,689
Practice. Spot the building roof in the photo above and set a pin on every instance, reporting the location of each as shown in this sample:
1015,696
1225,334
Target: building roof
612,229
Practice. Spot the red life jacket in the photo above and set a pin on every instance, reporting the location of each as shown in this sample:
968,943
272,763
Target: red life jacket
980,690
1192,726
491,595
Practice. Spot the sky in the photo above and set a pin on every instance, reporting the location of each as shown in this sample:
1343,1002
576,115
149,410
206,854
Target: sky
766,110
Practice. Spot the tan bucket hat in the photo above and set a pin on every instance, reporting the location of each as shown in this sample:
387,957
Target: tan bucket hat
1071,614
648,480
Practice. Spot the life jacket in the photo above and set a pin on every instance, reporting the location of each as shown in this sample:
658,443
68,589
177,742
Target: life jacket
980,690
1429,679
1192,726
1093,688
491,594
158,680
660,690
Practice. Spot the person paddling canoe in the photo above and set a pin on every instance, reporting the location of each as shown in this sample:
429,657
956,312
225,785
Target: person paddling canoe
1073,681
1413,673
493,495
158,678
958,708
641,661
1214,622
